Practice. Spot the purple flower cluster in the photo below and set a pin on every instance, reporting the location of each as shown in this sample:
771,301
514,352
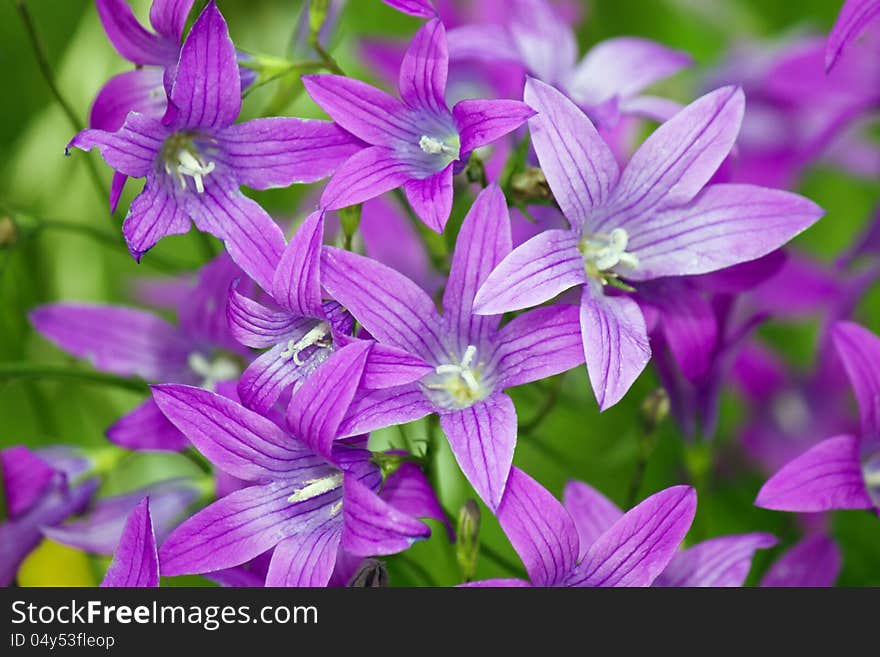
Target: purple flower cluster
288,354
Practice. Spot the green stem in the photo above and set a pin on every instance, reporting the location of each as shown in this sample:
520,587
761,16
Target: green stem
419,569
42,57
25,369
549,404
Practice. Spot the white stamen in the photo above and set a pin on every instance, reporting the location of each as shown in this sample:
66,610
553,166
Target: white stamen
462,369
190,165
212,371
336,508
604,252
317,487
433,146
317,336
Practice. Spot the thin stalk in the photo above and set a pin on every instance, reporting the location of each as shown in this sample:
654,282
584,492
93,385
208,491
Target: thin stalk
546,408
28,370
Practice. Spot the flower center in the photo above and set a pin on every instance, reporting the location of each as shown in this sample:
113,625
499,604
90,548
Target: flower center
459,384
604,251
871,474
319,336
316,487
213,371
182,159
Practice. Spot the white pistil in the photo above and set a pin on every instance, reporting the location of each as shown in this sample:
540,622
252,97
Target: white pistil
212,371
192,166
317,487
433,146
604,251
872,477
463,370
319,336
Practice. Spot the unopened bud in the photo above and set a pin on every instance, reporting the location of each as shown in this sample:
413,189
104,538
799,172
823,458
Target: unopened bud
654,408
530,185
8,232
317,15
371,574
467,545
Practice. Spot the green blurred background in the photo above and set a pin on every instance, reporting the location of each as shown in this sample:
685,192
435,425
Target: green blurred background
38,183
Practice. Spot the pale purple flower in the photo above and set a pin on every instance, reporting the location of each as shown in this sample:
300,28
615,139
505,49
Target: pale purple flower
593,544
416,142
656,218
853,20
132,342
195,159
135,560
814,562
473,360
304,330
842,472
308,495
420,8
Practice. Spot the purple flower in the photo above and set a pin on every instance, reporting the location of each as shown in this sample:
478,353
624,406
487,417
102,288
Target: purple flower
473,360
304,499
305,330
131,342
655,219
420,8
195,159
41,490
595,545
417,143
135,561
813,562
854,18
842,472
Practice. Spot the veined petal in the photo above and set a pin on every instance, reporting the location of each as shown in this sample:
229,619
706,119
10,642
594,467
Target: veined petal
146,428
136,561
593,513
546,42
424,68
207,88
580,168
252,238
138,91
307,558
852,20
238,441
168,17
319,405
723,561
623,67
615,340
483,439
130,38
483,242
815,561
675,162
154,214
859,350
362,110
408,490
827,476
132,149
431,198
267,377
639,546
282,151
540,529
387,367
25,477
377,409
125,341
481,122
482,43
365,175
420,8
532,273
254,325
389,305
723,226
239,527
297,281
540,343
372,526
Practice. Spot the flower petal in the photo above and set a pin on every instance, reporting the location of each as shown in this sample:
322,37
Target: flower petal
481,122
372,526
532,273
639,546
168,17
424,68
593,513
852,20
580,168
420,8
723,226
282,151
207,89
540,529
238,441
130,38
146,428
408,490
813,562
389,305
154,214
307,558
827,476
545,40
254,325
431,198
137,91
269,375
132,149
719,562
136,561
377,409
24,478
296,285
125,341
616,347
859,351
366,175
483,439
388,367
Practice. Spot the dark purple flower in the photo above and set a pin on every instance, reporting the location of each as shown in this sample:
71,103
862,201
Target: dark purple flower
195,159
135,561
655,219
416,142
473,360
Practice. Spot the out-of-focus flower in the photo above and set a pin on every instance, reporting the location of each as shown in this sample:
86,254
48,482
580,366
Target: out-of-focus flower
813,562
853,20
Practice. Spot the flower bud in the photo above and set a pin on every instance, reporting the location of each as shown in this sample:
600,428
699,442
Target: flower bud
467,546
530,185
8,232
654,409
371,574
